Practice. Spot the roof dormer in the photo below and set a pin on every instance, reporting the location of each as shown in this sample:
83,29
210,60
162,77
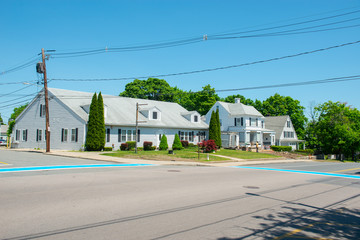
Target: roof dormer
192,116
151,113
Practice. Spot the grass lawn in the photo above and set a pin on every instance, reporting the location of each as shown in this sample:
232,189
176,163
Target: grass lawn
189,154
180,155
244,154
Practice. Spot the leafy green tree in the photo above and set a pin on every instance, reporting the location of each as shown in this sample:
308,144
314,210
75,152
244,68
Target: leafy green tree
163,143
1,120
338,128
13,116
177,143
279,105
243,100
101,122
92,137
218,129
152,88
201,101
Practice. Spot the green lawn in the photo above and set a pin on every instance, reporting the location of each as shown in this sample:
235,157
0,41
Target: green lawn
184,154
244,154
189,154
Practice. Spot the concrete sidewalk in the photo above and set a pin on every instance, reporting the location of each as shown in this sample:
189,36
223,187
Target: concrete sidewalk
97,156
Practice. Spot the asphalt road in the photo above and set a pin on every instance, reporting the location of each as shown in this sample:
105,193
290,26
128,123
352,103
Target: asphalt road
177,202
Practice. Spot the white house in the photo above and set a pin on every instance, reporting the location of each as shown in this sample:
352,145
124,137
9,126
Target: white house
68,114
3,131
241,125
285,131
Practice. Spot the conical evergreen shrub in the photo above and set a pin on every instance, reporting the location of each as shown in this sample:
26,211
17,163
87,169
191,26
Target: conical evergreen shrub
212,127
163,143
91,143
177,143
101,123
218,129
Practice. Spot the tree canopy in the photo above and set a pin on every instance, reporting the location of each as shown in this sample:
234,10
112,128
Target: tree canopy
336,129
1,120
13,116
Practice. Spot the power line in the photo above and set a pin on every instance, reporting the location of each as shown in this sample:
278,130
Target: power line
209,69
20,66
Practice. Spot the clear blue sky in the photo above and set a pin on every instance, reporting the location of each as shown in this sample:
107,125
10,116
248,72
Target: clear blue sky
73,25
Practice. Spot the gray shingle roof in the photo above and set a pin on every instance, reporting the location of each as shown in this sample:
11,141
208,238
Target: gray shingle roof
276,123
121,111
236,109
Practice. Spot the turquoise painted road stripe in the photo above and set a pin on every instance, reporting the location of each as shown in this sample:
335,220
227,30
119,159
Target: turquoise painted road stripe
299,171
42,168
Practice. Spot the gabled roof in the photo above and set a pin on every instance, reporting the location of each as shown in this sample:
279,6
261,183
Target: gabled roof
236,109
121,111
277,123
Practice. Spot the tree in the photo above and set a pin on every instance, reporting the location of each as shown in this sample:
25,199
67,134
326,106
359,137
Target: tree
201,101
13,116
101,122
92,136
279,105
163,143
152,88
218,129
212,127
337,128
243,100
1,120
177,143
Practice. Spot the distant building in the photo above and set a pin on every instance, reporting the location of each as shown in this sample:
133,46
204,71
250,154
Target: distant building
3,131
69,116
285,131
242,125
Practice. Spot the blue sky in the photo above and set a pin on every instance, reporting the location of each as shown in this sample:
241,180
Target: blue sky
68,26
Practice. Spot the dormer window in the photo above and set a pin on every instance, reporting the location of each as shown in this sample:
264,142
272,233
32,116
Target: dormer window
196,118
42,110
154,115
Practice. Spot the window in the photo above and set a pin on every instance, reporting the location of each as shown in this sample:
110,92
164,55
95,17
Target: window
129,135
242,121
154,115
123,135
24,135
42,110
108,135
257,122
187,136
119,135
17,135
38,135
138,135
44,135
288,124
134,135
250,121
64,134
74,134
262,124
196,118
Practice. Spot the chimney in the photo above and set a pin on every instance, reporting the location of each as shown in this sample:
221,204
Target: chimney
237,100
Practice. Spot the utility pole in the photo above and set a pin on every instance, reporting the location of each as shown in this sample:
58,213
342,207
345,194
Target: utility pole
47,129
137,125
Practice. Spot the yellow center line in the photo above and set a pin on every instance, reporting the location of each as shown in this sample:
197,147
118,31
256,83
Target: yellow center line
293,232
345,170
4,163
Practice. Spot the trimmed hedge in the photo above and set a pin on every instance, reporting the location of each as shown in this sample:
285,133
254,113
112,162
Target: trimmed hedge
131,145
281,148
163,143
185,144
148,146
108,149
177,143
124,147
309,151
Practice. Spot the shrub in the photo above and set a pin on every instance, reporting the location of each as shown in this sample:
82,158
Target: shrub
177,143
163,143
140,149
208,146
309,151
131,144
281,148
124,147
185,144
191,145
108,149
147,146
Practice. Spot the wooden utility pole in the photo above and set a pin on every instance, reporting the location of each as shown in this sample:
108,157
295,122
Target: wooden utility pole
137,125
47,128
